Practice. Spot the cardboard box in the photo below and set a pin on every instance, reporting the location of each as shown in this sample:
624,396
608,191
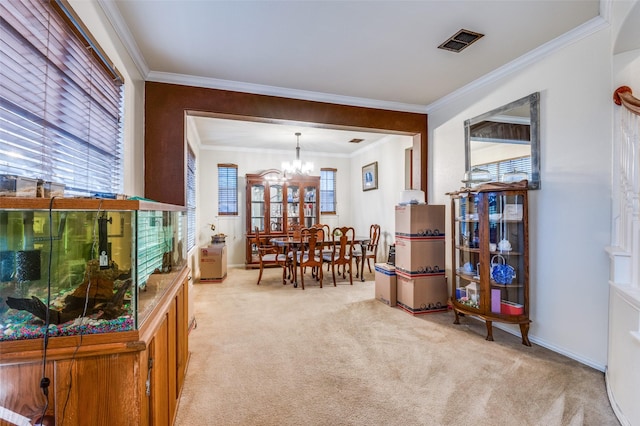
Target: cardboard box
416,259
385,283
422,295
213,263
420,220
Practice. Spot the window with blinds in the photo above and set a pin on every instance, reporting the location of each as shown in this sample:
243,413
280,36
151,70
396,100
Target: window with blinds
497,169
191,199
227,189
328,191
60,101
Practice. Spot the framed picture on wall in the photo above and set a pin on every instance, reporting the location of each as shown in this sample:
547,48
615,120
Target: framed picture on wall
370,176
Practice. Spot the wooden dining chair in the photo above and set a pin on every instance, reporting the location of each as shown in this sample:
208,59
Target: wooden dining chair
271,255
371,249
309,253
342,252
326,247
293,232
294,229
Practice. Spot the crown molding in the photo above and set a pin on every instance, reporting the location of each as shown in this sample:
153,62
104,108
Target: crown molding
122,30
288,152
259,89
582,31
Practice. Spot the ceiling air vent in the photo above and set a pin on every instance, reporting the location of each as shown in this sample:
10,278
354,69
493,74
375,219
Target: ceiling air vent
460,40
356,140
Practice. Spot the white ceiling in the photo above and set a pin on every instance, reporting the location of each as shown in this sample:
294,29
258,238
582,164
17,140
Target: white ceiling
381,54
255,135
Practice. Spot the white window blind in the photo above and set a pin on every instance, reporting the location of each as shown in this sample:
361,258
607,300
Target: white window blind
227,189
60,101
328,191
497,169
191,199
152,244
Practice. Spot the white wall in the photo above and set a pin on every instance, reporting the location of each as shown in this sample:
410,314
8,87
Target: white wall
378,206
569,217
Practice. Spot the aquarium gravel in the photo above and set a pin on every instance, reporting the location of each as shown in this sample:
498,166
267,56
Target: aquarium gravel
20,325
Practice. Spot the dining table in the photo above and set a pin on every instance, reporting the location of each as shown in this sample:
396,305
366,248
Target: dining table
295,242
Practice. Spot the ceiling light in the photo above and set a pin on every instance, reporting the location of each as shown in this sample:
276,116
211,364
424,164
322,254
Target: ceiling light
296,167
460,40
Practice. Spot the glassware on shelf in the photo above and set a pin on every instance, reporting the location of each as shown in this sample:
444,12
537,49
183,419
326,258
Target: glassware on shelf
476,176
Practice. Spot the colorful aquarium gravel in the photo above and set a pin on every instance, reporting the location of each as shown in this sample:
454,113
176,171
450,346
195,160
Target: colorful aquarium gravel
20,325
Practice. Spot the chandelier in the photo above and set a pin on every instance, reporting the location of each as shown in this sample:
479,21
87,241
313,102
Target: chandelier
296,167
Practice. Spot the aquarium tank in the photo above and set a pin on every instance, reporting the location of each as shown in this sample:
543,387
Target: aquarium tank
85,266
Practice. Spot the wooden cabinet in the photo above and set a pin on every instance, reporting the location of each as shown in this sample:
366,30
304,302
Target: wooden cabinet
490,255
121,378
274,203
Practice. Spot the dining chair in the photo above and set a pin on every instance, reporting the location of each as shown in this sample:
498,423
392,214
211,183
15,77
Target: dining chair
309,253
326,247
342,252
293,232
371,249
294,229
270,255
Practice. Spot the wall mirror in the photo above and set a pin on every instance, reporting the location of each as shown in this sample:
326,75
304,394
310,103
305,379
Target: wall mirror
506,143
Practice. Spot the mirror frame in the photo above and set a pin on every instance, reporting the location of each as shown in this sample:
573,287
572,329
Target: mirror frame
534,112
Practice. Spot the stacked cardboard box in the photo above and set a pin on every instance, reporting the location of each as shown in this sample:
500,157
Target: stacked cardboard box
213,263
420,257
386,283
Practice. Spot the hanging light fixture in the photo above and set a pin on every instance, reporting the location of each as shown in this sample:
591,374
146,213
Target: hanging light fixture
296,167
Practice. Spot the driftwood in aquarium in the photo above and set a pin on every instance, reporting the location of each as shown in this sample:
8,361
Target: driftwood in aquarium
106,309
96,292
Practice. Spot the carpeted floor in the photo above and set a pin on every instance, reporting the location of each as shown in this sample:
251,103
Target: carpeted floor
278,355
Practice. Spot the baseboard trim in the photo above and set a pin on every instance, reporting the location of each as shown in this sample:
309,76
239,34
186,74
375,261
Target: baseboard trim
562,351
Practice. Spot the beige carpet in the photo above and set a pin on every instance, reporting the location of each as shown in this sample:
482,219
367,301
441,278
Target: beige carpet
278,355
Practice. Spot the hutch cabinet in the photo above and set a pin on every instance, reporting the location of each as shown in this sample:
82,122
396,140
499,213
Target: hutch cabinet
274,203
490,255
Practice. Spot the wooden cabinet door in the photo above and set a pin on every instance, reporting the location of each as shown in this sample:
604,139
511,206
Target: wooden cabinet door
256,206
159,396
182,334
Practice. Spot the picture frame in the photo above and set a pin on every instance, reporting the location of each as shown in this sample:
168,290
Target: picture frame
370,176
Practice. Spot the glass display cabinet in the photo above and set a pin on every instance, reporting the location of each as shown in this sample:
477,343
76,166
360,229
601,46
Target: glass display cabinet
90,285
490,254
275,203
